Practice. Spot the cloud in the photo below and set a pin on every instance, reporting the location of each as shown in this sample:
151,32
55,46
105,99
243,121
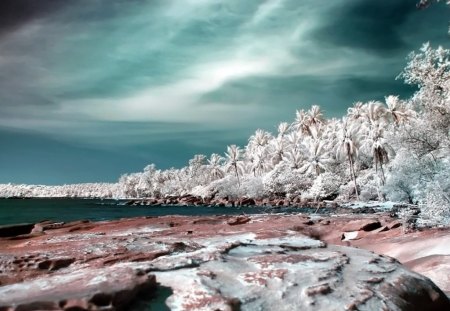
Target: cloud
213,65
178,101
265,9
14,13
369,25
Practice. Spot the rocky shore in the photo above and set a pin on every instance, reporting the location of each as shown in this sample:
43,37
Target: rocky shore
247,262
191,200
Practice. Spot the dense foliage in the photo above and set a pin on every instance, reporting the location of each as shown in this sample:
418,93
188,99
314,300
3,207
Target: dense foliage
87,190
397,150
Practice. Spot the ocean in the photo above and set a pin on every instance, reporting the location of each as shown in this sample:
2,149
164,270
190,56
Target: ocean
15,211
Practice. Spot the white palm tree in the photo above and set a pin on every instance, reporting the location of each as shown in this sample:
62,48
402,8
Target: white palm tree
330,133
356,112
316,130
277,148
348,146
293,140
374,111
301,122
283,129
315,115
305,120
259,164
233,161
316,157
259,140
215,166
379,148
294,158
397,111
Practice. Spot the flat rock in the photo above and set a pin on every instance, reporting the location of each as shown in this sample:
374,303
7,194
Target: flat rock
112,288
239,220
269,275
259,263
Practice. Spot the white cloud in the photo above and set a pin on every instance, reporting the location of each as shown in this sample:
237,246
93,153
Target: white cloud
176,102
265,9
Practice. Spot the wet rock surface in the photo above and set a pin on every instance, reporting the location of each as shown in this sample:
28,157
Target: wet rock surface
252,262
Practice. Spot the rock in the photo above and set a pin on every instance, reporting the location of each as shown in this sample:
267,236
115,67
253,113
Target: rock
275,274
189,200
55,264
273,262
94,289
15,230
209,221
352,235
434,266
248,202
395,224
425,252
362,224
239,220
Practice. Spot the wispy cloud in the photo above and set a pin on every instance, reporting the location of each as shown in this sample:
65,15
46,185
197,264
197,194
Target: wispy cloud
160,61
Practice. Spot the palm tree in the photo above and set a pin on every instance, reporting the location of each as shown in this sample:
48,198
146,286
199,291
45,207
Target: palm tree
330,132
301,122
283,128
305,120
379,148
315,115
294,158
356,112
316,157
293,140
259,164
215,166
374,112
397,111
316,130
259,140
348,147
233,160
276,150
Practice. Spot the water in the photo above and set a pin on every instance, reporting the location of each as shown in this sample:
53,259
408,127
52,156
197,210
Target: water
14,211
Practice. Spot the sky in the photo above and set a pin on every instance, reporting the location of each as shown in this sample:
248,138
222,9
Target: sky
92,89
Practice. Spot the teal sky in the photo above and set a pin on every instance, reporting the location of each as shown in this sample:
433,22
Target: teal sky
91,89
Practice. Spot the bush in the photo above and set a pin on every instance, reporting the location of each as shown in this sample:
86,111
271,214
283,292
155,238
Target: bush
325,186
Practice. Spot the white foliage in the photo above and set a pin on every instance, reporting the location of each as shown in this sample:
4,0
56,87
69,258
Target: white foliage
325,186
283,181
226,187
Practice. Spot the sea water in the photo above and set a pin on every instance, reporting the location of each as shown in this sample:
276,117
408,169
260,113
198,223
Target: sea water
15,211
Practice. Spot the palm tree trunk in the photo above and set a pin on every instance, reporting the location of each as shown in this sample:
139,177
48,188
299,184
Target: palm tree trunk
237,175
383,178
352,172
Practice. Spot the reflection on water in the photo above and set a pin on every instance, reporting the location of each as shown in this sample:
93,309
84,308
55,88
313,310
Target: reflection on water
155,303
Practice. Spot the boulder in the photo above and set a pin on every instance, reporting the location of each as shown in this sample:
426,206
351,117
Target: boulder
248,202
239,220
362,224
114,288
15,230
296,273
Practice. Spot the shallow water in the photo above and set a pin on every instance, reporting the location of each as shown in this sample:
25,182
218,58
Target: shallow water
14,211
